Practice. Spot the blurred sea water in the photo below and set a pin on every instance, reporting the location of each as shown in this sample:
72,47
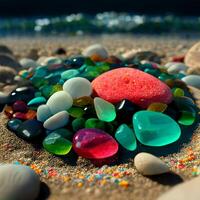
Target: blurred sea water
107,22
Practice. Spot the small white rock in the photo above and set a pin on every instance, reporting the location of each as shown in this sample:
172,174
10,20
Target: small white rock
27,63
188,190
176,68
60,101
18,182
148,164
95,49
58,120
192,80
43,113
78,87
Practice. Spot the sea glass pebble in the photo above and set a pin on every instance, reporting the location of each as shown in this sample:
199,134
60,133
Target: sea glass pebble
83,101
95,123
178,92
37,101
13,124
105,111
56,121
78,87
157,107
78,123
59,101
125,136
71,73
94,144
155,128
192,80
56,144
19,106
76,112
67,134
43,113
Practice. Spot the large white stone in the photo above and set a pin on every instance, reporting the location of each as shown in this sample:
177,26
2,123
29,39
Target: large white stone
188,190
192,80
95,49
18,183
27,63
175,68
58,120
148,164
60,101
43,113
78,87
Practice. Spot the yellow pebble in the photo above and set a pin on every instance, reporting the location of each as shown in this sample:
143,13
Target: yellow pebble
80,184
124,183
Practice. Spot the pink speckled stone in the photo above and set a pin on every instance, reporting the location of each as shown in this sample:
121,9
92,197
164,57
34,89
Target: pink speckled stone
94,144
131,84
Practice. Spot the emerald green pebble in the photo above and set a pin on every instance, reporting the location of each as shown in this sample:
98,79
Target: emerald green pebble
155,128
71,73
37,101
105,110
76,112
67,134
178,92
95,123
187,118
125,136
56,144
78,123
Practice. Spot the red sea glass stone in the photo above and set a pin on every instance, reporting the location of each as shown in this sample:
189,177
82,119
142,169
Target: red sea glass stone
94,143
19,115
19,106
131,84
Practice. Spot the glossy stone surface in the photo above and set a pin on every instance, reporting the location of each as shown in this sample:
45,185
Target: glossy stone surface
76,112
19,115
95,123
43,113
18,182
83,101
59,101
56,144
155,128
37,101
19,106
13,124
67,134
78,87
105,111
8,111
94,144
192,80
178,92
133,85
71,73
31,114
157,107
30,130
78,123
125,136
56,121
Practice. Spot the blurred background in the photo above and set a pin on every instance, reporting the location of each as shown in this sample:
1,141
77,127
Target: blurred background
78,17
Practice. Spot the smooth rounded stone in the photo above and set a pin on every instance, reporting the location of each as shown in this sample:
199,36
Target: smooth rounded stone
5,50
184,191
75,62
9,61
8,111
43,113
157,107
52,63
78,87
4,98
59,51
94,144
78,123
31,114
125,136
56,121
18,182
28,63
76,112
155,128
30,130
67,134
148,164
7,74
19,115
56,144
60,101
71,73
178,92
13,124
192,57
105,111
83,101
22,93
192,80
37,101
176,68
20,106
33,54
95,49
134,85
95,123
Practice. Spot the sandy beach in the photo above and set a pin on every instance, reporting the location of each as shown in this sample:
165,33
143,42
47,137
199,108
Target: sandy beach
75,178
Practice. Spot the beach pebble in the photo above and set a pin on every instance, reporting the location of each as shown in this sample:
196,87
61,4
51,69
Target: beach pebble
20,106
59,51
177,68
13,124
43,113
192,80
27,63
8,60
192,57
52,63
78,87
95,49
37,101
58,120
18,182
60,101
134,85
183,191
5,50
7,74
148,164
4,98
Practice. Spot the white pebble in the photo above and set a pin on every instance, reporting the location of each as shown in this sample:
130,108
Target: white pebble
78,87
192,80
58,120
148,164
27,63
60,101
43,113
18,183
175,68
